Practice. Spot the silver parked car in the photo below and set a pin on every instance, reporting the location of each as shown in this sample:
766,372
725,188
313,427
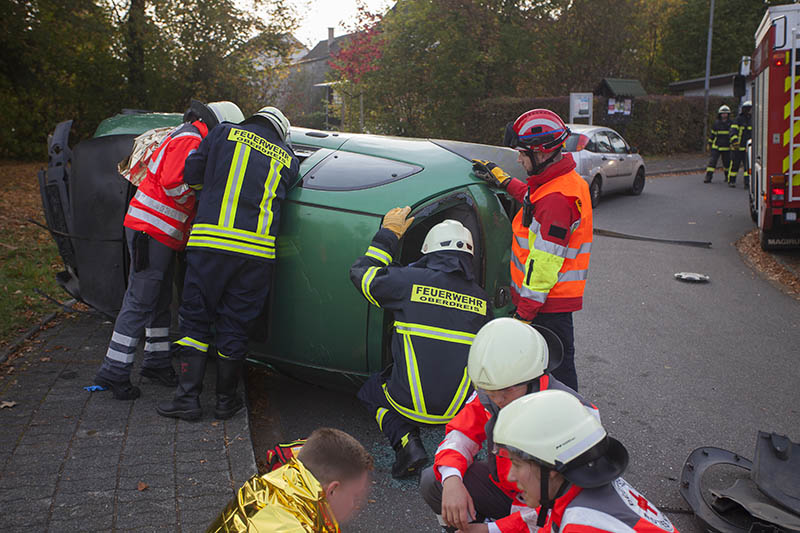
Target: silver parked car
605,161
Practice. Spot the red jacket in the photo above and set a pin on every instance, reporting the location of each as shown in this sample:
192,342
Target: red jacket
556,217
164,206
613,508
464,437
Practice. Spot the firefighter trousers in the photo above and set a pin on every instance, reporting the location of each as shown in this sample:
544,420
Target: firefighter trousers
489,500
739,159
145,310
225,292
561,324
391,423
712,162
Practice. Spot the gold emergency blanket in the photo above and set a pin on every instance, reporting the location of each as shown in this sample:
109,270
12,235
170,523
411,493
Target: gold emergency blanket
286,500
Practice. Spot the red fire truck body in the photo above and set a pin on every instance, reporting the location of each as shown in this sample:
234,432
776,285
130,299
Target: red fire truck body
775,150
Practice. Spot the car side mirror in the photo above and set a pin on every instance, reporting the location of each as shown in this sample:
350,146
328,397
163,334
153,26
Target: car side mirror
633,150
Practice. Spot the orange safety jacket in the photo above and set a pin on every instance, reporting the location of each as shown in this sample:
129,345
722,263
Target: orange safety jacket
548,277
164,205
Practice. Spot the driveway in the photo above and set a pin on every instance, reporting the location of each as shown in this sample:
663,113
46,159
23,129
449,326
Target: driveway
671,365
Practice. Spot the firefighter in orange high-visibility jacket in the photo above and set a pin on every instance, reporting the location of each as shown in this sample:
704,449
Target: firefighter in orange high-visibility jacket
552,240
507,360
156,226
243,172
569,469
438,307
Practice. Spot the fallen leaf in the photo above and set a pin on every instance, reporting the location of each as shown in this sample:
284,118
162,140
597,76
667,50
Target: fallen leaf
8,404
215,424
141,486
202,461
44,359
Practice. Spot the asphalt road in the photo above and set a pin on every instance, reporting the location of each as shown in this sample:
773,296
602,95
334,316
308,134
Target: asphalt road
671,365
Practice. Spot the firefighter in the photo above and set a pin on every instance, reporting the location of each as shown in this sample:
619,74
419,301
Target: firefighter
564,462
243,171
156,226
552,240
438,308
314,493
507,360
741,131
719,141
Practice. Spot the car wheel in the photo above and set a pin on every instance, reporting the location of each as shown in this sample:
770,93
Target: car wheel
638,182
595,190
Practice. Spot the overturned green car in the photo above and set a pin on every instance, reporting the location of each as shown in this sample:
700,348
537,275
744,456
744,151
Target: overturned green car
316,325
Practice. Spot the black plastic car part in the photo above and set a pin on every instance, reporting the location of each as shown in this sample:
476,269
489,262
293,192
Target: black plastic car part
776,469
745,493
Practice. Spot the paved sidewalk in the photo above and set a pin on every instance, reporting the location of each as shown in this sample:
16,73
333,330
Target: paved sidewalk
71,460
672,164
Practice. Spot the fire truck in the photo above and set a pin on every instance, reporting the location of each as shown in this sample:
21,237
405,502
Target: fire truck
775,82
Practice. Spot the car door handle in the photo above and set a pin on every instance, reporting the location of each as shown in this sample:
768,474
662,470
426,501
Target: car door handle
605,158
622,159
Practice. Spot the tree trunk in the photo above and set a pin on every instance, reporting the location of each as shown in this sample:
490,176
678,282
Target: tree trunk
135,52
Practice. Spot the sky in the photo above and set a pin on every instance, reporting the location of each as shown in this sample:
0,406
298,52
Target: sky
316,16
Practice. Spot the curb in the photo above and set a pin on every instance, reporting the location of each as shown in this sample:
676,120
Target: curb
675,171
14,346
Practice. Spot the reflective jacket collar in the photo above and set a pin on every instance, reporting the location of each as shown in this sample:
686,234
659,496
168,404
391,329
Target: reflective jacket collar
557,512
448,261
559,168
201,127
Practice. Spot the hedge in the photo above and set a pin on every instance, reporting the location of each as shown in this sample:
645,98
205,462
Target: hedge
657,124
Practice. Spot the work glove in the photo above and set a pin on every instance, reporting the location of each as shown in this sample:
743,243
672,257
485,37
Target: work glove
396,220
523,320
490,173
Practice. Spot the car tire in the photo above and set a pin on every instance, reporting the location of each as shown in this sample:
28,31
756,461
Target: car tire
638,183
595,190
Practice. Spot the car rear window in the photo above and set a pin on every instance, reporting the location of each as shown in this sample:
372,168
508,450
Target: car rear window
349,171
576,142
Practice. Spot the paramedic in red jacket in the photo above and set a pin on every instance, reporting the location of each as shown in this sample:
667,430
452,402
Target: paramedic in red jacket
568,468
156,226
508,359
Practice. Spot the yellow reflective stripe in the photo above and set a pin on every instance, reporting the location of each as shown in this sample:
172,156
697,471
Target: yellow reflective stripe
381,255
193,343
366,280
423,418
431,332
265,214
202,241
541,268
414,381
223,355
460,396
381,412
233,233
197,187
233,187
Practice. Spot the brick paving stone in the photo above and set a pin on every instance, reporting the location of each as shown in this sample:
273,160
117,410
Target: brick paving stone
104,482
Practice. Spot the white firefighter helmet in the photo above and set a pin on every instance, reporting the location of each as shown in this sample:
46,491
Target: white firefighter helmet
277,118
507,352
747,103
448,235
226,111
215,112
555,430
723,109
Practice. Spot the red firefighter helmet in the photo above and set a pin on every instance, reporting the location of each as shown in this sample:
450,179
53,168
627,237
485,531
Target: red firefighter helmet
539,130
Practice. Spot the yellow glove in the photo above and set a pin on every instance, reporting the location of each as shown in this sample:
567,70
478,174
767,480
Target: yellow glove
396,222
490,173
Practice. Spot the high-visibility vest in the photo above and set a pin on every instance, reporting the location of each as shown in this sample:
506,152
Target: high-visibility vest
568,290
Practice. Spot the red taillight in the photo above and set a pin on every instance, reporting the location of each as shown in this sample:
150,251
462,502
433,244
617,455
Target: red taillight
777,196
779,59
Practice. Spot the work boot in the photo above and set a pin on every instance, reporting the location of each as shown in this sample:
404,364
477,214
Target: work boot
709,175
228,401
409,456
163,376
186,403
122,390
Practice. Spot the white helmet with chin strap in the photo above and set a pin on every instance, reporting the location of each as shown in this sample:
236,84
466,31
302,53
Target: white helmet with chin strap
723,109
448,235
507,352
556,431
215,112
278,120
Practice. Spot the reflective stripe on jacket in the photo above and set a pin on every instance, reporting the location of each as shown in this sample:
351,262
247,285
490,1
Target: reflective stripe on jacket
289,499
243,171
720,135
466,434
741,131
438,308
551,277
613,508
163,206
